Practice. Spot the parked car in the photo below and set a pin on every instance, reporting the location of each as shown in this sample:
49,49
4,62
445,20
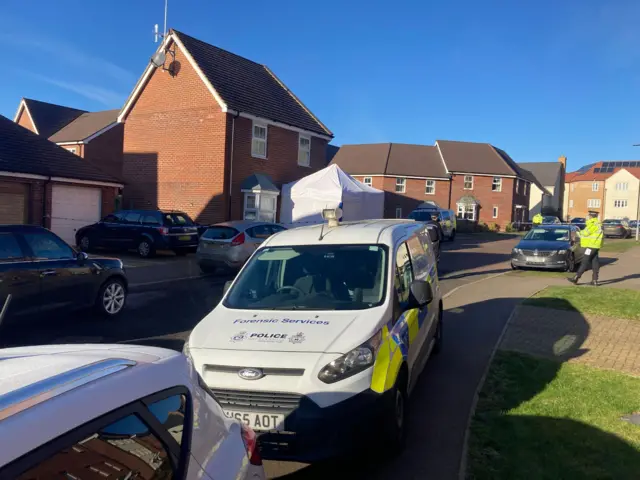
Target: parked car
145,230
40,272
633,224
115,412
580,222
446,219
549,219
548,246
616,228
230,244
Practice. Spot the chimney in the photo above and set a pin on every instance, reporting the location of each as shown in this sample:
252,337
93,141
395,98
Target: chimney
563,161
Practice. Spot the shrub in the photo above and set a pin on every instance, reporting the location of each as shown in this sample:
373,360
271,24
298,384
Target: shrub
481,227
509,228
494,227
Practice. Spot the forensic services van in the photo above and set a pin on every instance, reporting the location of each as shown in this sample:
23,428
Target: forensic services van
320,339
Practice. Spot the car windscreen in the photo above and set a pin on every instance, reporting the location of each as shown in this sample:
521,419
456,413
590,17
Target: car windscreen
548,234
549,219
220,233
612,222
578,220
176,219
312,277
423,215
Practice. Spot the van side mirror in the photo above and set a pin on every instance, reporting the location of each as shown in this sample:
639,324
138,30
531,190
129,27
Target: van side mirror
226,287
420,294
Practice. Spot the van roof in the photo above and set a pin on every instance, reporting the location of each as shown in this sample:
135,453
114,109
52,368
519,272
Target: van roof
384,231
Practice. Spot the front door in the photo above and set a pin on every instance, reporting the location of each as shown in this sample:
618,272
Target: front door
19,279
65,281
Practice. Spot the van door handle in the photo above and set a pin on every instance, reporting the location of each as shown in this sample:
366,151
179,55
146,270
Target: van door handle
48,273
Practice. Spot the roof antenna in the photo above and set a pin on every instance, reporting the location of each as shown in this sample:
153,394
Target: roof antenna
156,33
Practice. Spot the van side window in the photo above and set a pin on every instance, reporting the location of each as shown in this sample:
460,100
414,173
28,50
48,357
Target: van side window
445,215
419,259
404,275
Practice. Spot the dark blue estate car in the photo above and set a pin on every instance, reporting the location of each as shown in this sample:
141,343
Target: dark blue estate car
144,230
40,272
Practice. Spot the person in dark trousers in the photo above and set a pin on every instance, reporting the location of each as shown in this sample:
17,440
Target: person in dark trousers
591,240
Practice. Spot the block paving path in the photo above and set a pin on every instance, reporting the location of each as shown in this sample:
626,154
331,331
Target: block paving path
567,336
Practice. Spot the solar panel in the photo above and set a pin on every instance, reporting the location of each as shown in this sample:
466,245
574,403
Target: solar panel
610,169
596,170
586,168
633,164
618,164
625,164
605,164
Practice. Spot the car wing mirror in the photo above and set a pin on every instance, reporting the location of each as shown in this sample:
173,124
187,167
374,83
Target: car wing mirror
420,294
82,257
434,235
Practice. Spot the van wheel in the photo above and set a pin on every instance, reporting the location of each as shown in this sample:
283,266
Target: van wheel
452,237
395,417
145,248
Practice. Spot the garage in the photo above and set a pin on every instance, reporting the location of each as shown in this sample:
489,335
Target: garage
74,207
13,202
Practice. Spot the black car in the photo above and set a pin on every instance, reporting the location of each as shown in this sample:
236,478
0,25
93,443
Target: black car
579,222
616,228
40,272
548,246
145,230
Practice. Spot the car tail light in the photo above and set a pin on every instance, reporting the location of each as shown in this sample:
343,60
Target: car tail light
251,444
238,240
163,230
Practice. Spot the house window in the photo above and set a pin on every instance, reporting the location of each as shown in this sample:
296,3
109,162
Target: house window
430,187
526,186
595,187
495,212
468,182
593,203
304,151
570,203
259,141
572,186
401,185
398,212
620,203
72,150
466,211
496,186
367,181
260,206
623,186
517,185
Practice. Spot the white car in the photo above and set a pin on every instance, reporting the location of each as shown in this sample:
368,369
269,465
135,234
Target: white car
115,411
322,336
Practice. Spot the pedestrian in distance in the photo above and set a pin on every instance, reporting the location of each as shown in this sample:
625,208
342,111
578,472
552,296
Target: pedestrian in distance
591,240
537,219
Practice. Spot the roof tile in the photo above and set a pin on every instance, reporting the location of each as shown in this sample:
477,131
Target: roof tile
49,118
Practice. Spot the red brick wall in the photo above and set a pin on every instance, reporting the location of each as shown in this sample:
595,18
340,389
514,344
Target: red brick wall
174,147
281,163
504,200
414,194
25,121
105,151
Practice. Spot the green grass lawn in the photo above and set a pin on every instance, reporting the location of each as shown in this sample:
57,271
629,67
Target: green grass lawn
619,246
608,302
538,419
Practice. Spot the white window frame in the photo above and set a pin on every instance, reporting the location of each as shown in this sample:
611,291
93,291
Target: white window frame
258,140
260,210
302,151
571,203
572,186
398,212
466,177
593,203
495,212
595,186
73,150
620,203
367,181
497,185
430,184
402,183
622,186
464,209
517,185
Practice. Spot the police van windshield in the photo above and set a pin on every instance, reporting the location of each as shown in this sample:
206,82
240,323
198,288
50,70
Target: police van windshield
424,215
312,277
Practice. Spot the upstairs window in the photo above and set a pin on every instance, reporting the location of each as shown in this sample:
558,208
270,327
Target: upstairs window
593,203
401,185
620,203
367,181
430,187
595,186
623,186
468,182
496,185
304,151
259,141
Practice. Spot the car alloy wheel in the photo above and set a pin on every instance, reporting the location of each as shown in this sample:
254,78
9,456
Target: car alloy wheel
113,298
570,265
85,244
144,249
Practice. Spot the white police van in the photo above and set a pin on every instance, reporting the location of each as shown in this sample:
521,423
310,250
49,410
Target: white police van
322,336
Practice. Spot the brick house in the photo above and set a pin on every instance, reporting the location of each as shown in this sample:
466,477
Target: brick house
477,180
95,136
44,184
200,126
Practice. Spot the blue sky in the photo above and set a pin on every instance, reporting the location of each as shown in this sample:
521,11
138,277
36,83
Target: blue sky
538,79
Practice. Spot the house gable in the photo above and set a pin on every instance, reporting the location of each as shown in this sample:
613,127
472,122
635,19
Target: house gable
23,118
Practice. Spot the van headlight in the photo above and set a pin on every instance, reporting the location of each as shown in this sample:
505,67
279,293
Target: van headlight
357,360
186,350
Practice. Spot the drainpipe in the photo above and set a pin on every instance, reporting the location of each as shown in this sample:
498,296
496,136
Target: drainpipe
44,202
233,135
450,187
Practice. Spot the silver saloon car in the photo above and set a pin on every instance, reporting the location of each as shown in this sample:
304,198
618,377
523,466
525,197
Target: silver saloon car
230,244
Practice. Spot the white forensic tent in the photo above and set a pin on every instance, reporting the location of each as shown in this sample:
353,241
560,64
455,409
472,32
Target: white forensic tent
304,199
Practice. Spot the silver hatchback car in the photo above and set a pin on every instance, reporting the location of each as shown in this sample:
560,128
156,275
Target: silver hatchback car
230,244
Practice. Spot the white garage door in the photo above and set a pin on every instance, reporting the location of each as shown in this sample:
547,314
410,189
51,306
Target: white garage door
72,208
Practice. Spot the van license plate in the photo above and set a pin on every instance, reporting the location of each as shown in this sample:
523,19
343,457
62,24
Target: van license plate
185,238
258,421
